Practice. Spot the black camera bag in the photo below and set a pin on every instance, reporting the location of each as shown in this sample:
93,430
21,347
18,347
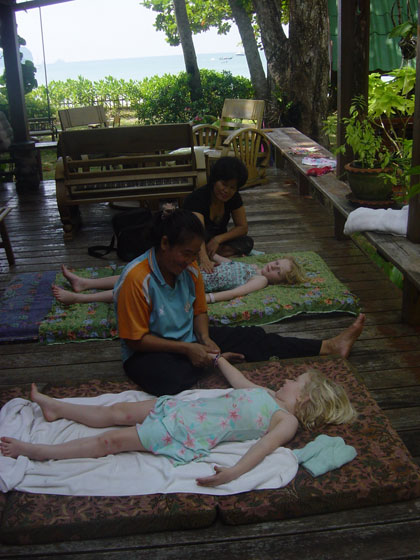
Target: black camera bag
131,235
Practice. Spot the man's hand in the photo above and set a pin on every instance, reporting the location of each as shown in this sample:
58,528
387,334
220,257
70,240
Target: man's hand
222,476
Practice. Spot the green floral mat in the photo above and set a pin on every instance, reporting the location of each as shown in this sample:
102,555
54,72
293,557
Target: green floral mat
322,293
81,321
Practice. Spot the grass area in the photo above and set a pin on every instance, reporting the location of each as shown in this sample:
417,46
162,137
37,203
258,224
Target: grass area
48,158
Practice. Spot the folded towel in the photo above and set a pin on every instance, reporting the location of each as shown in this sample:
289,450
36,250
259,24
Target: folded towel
385,221
324,454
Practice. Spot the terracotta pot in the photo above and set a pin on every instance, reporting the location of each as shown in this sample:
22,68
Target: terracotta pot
366,184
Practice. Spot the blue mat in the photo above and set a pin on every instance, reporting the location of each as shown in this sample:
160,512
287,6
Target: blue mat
24,304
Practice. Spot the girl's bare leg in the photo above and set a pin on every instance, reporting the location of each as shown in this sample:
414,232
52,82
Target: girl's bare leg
80,284
95,416
108,443
68,298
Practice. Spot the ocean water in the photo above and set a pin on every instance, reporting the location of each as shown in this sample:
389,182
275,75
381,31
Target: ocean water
139,68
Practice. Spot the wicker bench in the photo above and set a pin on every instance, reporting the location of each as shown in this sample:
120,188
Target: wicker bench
401,252
123,163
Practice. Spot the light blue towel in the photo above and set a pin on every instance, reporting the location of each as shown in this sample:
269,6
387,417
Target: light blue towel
324,454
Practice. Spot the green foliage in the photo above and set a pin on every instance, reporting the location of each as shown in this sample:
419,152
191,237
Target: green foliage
166,99
159,99
37,104
393,98
377,133
202,15
362,137
28,78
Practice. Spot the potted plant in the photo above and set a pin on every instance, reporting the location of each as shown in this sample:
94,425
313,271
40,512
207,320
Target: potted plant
380,136
372,158
406,29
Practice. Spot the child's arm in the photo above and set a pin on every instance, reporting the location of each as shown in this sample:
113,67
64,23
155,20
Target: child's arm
279,434
233,375
254,284
219,259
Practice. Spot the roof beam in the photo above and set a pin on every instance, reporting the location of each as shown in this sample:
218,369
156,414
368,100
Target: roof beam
36,4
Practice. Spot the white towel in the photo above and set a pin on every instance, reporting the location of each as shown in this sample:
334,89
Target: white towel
125,474
385,221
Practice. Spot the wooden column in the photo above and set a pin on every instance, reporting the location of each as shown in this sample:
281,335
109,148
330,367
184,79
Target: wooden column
23,148
413,229
352,63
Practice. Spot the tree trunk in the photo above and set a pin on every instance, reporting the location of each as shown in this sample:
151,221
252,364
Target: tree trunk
253,59
276,50
298,67
309,65
188,49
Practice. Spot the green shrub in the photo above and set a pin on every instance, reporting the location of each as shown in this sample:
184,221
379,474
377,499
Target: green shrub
166,99
154,100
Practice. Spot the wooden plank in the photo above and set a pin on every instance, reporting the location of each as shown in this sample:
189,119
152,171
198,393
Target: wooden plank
386,357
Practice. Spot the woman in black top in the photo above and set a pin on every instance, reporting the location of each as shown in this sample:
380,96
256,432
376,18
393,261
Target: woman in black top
215,204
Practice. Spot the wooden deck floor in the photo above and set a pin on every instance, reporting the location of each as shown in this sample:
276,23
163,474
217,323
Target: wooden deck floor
387,356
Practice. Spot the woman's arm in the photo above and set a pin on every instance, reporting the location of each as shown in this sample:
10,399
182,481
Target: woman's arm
254,284
197,353
205,262
239,229
219,259
201,331
282,431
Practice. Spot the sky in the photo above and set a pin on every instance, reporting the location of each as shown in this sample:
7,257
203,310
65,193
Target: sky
105,29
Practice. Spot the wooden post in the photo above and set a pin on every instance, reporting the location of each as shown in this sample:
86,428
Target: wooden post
23,148
413,228
352,63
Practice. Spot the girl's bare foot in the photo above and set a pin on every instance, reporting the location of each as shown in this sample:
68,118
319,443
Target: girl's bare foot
48,405
11,447
77,283
64,296
342,343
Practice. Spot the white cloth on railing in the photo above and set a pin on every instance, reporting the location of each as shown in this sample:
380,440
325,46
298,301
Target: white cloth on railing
124,474
381,220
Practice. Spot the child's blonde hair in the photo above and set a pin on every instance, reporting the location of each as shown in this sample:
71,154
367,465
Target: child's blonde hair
323,402
295,275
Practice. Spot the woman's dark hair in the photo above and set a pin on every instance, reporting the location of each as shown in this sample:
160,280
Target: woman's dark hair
179,226
227,168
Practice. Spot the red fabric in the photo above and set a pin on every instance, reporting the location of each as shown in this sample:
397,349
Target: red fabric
316,171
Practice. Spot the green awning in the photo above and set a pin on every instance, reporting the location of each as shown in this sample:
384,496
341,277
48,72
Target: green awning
384,53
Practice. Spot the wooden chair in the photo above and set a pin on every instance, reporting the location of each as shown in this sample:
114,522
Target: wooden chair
252,147
91,116
239,134
42,126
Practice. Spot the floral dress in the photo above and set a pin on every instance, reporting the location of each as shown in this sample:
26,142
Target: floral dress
185,431
228,275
